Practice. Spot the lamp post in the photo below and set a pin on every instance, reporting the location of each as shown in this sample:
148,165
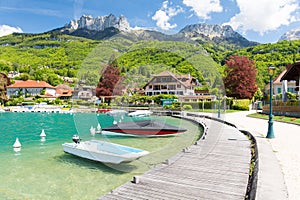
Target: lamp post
219,106
270,127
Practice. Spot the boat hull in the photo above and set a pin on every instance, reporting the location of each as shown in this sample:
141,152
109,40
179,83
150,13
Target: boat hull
140,113
145,128
104,152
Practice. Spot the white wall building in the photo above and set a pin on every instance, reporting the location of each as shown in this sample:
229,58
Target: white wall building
30,87
168,83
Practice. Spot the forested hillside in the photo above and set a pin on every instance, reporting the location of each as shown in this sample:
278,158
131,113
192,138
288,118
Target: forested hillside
44,56
152,57
51,56
138,61
279,54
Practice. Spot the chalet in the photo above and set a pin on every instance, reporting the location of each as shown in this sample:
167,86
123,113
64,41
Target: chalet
181,85
30,87
84,92
168,83
64,92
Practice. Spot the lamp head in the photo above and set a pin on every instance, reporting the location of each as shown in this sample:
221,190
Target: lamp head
271,70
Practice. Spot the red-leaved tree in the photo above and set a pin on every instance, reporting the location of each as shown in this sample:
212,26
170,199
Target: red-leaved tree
110,83
240,77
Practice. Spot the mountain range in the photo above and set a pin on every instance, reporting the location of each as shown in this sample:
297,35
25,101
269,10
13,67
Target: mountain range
293,34
103,27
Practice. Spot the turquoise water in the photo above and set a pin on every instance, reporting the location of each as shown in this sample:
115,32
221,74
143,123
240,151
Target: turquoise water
41,170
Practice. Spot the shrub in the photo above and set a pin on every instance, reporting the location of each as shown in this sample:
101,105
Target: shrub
167,106
240,107
241,104
103,105
176,105
187,107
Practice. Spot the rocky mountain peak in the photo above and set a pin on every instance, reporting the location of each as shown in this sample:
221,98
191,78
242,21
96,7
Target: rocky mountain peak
217,33
103,27
293,34
99,23
210,31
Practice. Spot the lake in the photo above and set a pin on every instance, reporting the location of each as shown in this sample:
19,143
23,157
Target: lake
41,170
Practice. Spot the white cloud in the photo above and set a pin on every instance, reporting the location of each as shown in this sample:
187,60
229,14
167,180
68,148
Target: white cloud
264,15
164,15
6,30
203,8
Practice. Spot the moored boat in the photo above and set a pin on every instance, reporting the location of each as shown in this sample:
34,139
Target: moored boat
145,128
103,110
101,151
140,113
116,112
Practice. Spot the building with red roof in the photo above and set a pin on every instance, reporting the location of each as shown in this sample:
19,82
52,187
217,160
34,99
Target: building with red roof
64,92
31,88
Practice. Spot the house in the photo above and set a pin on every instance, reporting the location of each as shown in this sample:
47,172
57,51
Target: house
84,92
30,87
168,83
64,92
292,108
13,74
293,74
181,85
279,85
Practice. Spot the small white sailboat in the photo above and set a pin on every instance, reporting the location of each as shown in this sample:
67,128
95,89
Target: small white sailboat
99,129
43,135
101,151
92,131
17,145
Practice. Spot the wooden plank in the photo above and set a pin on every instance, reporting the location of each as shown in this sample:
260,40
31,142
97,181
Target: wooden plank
184,191
230,178
215,168
214,185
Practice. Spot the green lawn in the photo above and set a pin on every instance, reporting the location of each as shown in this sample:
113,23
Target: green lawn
292,120
214,111
222,111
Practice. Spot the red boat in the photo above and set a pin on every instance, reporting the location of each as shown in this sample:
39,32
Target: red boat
103,110
145,128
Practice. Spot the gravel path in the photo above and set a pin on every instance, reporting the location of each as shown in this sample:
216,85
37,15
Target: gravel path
285,145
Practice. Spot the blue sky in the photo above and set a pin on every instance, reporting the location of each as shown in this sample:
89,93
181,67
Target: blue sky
262,21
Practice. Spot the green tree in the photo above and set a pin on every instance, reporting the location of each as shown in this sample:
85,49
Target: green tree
43,91
24,76
258,95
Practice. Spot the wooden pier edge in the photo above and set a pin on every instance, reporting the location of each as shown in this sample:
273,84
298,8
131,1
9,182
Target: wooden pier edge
133,189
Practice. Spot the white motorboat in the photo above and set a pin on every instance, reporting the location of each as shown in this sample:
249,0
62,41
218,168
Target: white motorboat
140,113
102,151
116,112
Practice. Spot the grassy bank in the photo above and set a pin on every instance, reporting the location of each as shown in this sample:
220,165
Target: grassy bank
292,120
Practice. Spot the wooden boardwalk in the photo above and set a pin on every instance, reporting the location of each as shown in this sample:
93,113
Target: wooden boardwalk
216,167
